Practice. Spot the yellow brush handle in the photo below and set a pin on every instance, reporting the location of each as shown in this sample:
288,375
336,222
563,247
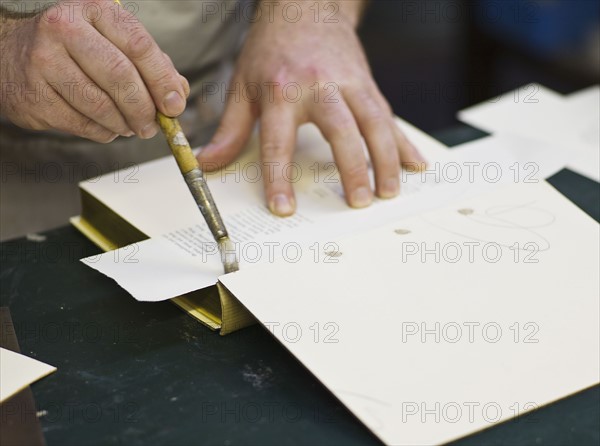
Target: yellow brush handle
196,182
178,143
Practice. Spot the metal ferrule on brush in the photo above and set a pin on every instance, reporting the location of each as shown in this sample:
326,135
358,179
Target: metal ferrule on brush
199,188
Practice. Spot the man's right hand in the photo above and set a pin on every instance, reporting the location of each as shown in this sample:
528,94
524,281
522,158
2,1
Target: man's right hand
88,68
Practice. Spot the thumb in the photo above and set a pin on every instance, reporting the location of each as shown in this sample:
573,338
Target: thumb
231,135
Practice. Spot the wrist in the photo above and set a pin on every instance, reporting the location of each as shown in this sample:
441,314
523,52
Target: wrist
316,11
8,28
351,11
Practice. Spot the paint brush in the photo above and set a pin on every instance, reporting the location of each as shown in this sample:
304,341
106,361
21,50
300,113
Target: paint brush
194,178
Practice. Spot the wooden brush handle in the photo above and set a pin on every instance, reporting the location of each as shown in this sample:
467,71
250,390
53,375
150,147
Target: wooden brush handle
178,143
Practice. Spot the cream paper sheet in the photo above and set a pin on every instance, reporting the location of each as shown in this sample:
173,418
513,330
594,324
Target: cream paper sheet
17,371
433,327
533,111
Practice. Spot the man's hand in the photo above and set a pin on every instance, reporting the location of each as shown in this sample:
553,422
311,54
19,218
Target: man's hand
320,56
88,68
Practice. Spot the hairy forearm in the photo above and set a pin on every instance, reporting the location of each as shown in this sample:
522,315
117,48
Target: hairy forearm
11,26
9,14
8,19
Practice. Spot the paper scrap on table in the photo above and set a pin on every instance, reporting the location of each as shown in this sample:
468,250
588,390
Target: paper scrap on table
532,159
585,107
436,326
17,371
572,122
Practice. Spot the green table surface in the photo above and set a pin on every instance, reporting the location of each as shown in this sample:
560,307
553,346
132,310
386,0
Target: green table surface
146,373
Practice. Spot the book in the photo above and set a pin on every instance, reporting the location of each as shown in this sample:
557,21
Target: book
109,230
160,248
124,208
212,306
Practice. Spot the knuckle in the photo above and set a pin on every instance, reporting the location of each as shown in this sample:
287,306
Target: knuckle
85,126
40,56
91,130
120,67
357,86
373,117
125,16
139,44
62,70
144,113
147,110
57,120
60,23
272,150
317,72
280,77
34,123
165,78
186,86
279,98
104,109
105,138
343,123
357,170
51,21
373,111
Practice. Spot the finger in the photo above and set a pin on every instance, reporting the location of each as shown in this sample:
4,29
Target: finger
160,76
186,86
231,135
374,124
409,155
338,126
277,143
184,81
61,116
115,73
81,93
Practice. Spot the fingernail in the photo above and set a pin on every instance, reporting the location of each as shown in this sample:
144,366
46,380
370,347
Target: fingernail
415,166
390,188
149,131
418,165
361,198
208,148
173,103
281,205
127,134
420,158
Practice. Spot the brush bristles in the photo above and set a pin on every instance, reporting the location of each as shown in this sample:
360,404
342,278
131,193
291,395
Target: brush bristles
228,255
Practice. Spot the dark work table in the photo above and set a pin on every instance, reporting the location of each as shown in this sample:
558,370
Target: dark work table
147,373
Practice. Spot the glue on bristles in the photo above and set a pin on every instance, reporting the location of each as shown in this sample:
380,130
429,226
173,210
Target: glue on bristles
228,254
